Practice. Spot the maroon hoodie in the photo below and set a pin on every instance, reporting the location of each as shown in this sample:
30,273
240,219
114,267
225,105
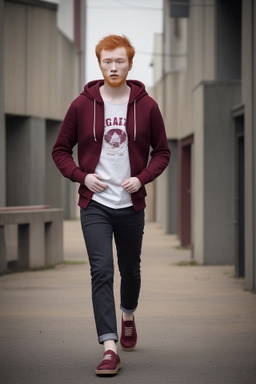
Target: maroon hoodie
84,125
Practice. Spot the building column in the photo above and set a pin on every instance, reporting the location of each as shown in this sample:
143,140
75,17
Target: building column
249,101
213,233
25,160
2,120
172,198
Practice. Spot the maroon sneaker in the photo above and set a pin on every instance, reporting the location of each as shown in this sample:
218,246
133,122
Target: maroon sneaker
128,338
110,364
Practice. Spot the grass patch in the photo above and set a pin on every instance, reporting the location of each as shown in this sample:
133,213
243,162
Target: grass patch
74,262
185,263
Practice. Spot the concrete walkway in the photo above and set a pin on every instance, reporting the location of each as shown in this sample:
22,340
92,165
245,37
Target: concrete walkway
196,325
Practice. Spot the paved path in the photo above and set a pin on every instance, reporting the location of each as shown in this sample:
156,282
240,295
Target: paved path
196,325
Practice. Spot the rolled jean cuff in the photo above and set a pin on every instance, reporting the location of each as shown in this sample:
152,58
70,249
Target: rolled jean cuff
108,336
127,310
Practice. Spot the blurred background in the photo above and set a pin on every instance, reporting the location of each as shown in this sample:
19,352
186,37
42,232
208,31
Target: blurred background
197,60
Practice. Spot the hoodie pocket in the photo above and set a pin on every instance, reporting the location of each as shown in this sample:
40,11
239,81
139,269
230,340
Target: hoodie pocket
141,193
85,192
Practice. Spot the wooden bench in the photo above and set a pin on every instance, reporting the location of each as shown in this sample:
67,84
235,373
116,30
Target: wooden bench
40,236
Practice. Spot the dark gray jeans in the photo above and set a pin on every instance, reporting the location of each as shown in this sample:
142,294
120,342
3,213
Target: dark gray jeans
99,225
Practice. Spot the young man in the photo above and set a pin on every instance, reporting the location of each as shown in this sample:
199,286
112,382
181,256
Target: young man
114,122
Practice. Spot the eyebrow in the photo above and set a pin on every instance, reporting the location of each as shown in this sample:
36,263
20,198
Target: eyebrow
118,58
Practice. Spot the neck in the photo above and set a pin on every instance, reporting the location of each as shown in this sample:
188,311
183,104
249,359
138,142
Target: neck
115,95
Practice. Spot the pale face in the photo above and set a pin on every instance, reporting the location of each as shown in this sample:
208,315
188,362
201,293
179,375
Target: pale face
115,66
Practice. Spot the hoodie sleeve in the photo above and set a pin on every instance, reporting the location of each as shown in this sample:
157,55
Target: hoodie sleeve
160,154
63,148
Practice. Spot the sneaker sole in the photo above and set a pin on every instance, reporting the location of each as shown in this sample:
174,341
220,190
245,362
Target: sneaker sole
128,349
107,371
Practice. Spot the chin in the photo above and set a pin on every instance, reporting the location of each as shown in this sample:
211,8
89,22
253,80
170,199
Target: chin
115,83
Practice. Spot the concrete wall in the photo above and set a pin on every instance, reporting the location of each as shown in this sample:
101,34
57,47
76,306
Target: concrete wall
39,238
188,46
199,101
174,42
198,176
219,240
41,72
150,202
39,63
201,42
228,38
25,160
2,122
172,190
249,100
32,177
157,93
213,172
161,188
59,192
54,182
177,110
158,57
162,194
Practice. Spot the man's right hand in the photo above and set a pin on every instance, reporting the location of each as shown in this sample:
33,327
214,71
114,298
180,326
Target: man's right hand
93,183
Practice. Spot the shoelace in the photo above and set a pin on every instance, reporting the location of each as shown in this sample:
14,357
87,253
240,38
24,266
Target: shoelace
107,357
128,331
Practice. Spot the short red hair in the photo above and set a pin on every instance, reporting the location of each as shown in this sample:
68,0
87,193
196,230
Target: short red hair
111,42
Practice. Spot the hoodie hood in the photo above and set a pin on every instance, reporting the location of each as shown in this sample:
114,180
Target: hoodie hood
92,91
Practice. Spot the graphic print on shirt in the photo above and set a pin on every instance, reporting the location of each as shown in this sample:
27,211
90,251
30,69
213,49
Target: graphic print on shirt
115,139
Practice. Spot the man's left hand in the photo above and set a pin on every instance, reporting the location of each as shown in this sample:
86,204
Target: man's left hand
132,184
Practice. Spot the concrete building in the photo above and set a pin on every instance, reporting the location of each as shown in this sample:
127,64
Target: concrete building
207,96
42,66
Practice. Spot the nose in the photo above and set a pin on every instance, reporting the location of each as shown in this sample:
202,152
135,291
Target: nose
113,67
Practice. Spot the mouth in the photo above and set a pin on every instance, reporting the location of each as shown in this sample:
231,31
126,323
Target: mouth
113,76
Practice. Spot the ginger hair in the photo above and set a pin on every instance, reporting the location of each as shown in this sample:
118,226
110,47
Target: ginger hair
111,42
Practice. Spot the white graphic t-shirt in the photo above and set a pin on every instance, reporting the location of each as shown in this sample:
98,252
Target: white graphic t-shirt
114,164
